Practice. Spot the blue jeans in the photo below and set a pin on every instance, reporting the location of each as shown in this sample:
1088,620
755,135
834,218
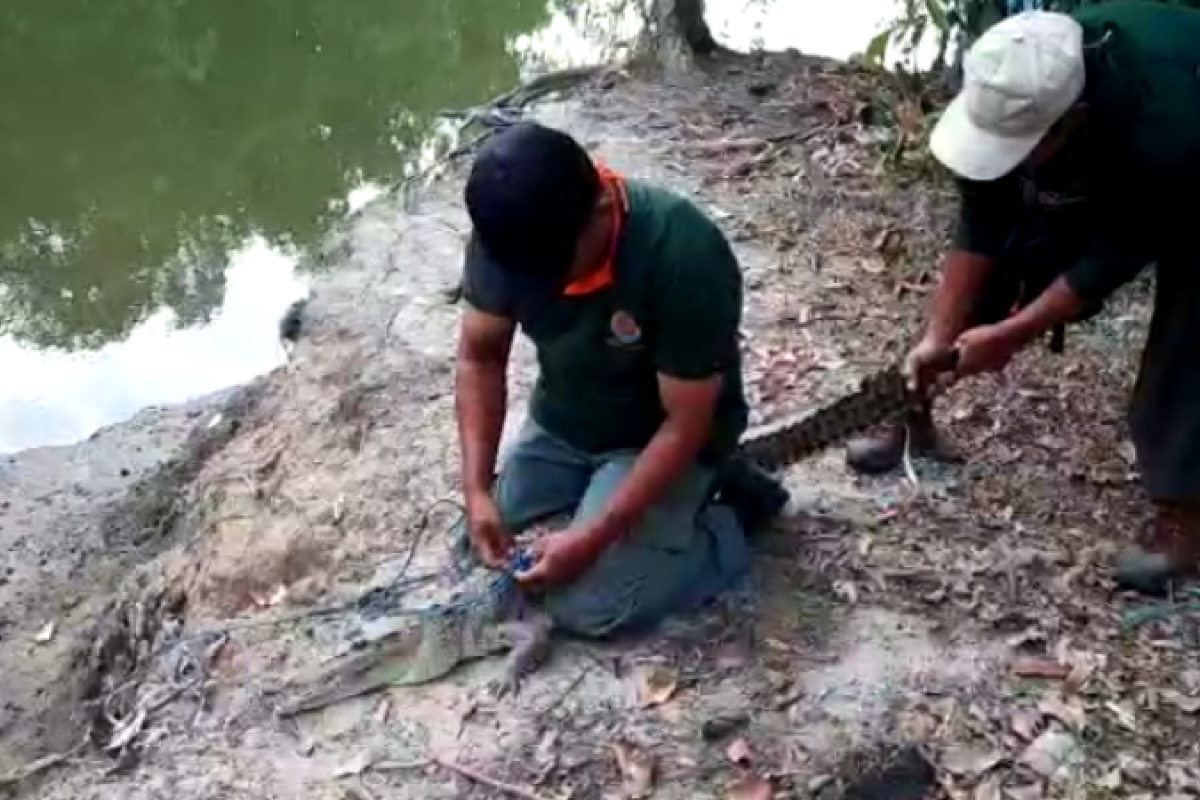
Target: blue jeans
683,553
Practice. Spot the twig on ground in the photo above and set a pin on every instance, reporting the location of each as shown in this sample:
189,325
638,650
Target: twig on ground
357,789
458,769
556,702
20,774
484,780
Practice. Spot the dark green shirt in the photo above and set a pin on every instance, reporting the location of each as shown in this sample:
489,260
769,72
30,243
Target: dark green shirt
673,308
1135,162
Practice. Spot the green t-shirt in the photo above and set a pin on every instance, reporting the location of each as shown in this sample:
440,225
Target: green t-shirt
1134,163
673,307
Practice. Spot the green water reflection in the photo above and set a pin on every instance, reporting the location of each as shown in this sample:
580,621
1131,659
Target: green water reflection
142,140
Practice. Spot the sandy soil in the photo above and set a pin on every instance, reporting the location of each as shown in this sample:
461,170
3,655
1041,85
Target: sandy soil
967,615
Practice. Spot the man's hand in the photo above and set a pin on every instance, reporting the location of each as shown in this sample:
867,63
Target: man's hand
492,541
560,558
925,363
987,348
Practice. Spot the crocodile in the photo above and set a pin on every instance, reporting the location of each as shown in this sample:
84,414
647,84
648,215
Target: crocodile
497,618
490,616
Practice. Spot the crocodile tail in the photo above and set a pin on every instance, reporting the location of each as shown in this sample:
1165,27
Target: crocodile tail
880,397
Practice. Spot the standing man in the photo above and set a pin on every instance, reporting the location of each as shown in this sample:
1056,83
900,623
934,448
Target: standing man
633,299
1100,111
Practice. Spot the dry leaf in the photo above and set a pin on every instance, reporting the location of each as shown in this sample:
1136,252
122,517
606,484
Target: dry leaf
355,766
1124,714
636,768
1026,723
751,788
1040,668
214,650
127,730
278,596
1186,704
1070,714
846,590
1030,791
817,783
738,752
45,634
1111,780
990,788
1052,752
1078,677
970,762
656,685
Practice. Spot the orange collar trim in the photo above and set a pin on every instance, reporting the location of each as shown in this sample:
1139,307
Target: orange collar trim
603,277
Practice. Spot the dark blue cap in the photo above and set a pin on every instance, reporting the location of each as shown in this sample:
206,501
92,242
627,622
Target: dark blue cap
530,193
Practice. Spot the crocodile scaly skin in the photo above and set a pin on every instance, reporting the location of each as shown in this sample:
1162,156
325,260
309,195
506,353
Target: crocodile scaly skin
881,397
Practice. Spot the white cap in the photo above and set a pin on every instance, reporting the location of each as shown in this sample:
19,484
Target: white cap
1021,76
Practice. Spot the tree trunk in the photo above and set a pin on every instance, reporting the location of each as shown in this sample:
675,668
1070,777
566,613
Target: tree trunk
679,33
688,18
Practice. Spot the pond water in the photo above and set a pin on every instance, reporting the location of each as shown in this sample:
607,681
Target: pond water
166,163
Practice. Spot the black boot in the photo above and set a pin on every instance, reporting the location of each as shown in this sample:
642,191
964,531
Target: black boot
755,496
1170,552
882,452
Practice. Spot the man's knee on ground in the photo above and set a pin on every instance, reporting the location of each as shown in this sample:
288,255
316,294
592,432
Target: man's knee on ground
585,612
670,564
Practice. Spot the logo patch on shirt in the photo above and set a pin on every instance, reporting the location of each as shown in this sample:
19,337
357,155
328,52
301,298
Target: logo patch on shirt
625,329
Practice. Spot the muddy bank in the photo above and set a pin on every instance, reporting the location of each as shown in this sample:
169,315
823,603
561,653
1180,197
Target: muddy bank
74,522
887,614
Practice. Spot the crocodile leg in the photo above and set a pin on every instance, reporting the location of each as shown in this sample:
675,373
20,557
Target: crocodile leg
529,645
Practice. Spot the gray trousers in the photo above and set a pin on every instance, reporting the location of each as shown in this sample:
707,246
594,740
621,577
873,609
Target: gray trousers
1164,416
683,553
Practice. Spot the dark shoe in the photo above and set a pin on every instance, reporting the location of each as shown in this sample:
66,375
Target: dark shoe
882,452
877,454
1170,552
755,496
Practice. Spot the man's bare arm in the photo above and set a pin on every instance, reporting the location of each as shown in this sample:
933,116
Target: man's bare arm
963,277
690,407
1060,303
481,395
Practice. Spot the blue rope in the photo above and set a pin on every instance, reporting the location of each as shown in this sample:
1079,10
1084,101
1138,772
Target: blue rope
503,585
1138,616
384,601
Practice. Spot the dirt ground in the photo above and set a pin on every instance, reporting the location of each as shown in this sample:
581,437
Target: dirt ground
968,614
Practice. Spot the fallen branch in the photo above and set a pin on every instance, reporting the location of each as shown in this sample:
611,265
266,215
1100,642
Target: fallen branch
800,135
458,769
484,780
21,774
526,93
548,83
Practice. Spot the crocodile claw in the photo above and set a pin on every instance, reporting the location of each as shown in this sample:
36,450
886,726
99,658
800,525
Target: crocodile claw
508,684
